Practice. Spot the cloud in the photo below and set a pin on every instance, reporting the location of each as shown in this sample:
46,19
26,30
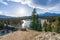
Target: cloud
45,5
5,3
2,1
1,12
22,1
56,9
5,13
14,0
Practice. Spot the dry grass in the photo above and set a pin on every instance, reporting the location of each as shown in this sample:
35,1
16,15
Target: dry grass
20,35
31,35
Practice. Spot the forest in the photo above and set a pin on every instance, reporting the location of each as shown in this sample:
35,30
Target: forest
51,25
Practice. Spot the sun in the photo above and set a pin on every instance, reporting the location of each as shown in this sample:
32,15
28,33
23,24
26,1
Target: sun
21,12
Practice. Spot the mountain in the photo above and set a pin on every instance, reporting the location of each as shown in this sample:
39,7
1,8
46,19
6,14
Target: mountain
49,14
3,16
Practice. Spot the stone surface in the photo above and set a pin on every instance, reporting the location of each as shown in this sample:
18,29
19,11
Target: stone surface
30,35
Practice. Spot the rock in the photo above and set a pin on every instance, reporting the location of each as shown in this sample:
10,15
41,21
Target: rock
31,35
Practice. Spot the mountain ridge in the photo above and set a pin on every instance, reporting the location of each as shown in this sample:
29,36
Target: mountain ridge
49,14
4,16
40,15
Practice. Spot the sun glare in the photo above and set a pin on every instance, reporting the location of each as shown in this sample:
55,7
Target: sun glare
21,12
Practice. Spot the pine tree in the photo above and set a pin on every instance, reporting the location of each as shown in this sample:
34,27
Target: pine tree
57,25
49,28
45,26
35,22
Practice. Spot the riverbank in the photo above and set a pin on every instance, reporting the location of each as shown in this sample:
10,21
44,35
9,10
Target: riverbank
30,35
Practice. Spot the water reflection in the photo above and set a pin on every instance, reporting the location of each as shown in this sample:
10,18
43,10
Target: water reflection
26,23
3,32
42,21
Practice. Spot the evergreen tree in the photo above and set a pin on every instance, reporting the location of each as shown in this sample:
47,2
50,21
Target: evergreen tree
49,28
35,22
57,25
45,26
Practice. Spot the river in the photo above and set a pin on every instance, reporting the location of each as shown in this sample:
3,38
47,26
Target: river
26,24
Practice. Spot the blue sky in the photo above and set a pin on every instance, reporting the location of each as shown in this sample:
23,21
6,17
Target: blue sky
20,8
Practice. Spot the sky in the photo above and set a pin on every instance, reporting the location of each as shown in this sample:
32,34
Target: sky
19,8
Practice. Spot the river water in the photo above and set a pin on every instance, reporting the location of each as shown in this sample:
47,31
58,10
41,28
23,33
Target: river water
3,32
26,24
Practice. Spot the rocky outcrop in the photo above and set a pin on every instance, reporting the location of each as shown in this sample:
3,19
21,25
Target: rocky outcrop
31,35
47,36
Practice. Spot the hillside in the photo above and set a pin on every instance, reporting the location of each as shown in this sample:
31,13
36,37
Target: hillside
4,16
49,14
30,35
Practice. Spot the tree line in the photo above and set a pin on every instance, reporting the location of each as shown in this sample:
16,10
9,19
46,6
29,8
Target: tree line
51,25
9,21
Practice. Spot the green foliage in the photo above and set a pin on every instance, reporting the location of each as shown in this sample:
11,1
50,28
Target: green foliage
47,27
57,25
2,26
35,22
51,19
9,21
